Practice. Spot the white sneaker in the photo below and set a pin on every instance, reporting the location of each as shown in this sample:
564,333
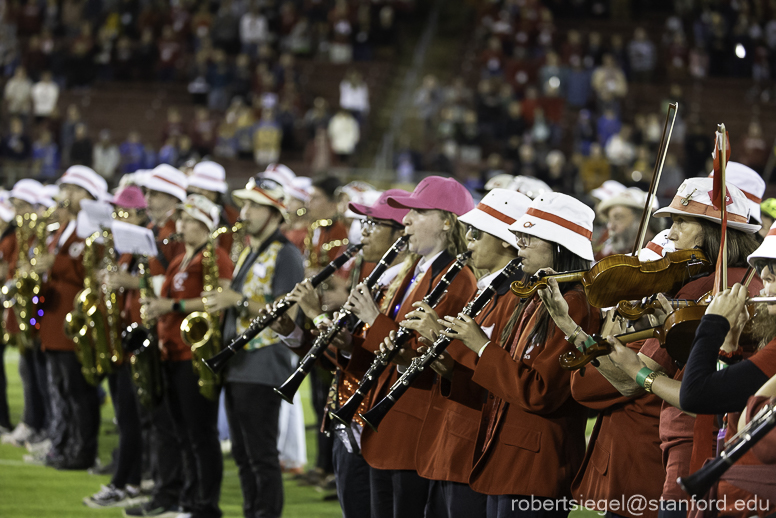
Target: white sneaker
108,496
37,447
184,515
19,436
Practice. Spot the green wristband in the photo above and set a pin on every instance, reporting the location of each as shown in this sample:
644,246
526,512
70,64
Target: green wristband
642,376
587,343
183,306
320,318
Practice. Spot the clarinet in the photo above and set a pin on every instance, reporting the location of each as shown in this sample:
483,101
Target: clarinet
346,413
472,309
700,482
219,361
344,318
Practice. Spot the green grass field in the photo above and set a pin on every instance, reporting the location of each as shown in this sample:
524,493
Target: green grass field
30,491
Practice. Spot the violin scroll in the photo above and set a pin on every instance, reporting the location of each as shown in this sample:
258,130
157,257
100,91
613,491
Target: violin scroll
578,359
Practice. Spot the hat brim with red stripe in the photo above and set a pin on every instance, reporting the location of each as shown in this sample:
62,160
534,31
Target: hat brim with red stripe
549,227
767,250
495,222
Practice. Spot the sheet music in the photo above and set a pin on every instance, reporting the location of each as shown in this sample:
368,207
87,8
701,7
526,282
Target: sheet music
85,227
99,212
133,239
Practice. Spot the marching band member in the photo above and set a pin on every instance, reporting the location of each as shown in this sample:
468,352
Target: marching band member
298,192
446,445
7,245
74,402
124,487
768,215
194,416
622,214
266,270
531,438
695,225
436,236
751,184
209,179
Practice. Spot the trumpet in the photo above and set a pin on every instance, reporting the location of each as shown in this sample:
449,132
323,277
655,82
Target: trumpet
420,363
380,363
700,482
291,385
279,308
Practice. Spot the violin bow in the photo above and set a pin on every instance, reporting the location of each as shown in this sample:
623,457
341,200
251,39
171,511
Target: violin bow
719,196
656,174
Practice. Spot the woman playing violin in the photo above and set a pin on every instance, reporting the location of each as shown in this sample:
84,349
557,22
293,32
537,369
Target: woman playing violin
531,439
695,225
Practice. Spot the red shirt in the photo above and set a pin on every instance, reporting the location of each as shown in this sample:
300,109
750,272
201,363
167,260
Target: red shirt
170,251
182,284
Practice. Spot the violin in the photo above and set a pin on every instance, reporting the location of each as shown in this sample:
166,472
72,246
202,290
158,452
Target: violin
625,277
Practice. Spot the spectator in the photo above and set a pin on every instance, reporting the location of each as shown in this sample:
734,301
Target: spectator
67,131
18,93
106,157
45,94
267,138
225,30
186,151
584,132
318,153
553,76
15,150
642,56
608,80
219,77
513,122
168,153
147,65
243,77
132,153
169,49
174,125
754,149
607,125
254,30
203,131
80,63
317,117
578,84
81,150
45,157
354,95
594,169
341,49
619,149
344,134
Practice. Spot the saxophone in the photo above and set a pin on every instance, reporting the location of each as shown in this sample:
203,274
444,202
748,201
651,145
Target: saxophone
17,295
140,341
111,300
201,330
238,241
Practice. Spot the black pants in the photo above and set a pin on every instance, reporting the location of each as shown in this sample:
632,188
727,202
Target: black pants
75,411
253,412
195,420
397,493
35,387
320,381
168,468
5,417
352,474
510,506
455,500
129,461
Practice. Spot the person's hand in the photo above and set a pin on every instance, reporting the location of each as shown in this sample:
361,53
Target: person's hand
729,303
465,329
612,324
362,305
443,365
424,320
343,341
117,280
627,360
403,357
219,300
283,325
305,295
43,263
154,308
556,305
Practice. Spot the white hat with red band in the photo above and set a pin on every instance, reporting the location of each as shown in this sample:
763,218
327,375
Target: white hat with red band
280,173
28,190
607,189
209,176
561,219
693,198
497,210
767,249
263,191
657,248
87,179
300,188
203,210
750,182
167,179
530,186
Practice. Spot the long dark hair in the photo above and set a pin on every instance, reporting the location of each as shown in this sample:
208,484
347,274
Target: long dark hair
563,260
740,245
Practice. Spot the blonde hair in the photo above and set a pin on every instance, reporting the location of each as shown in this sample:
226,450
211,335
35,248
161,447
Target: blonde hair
455,239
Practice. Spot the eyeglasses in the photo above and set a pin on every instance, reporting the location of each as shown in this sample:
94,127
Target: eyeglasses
475,233
523,240
370,224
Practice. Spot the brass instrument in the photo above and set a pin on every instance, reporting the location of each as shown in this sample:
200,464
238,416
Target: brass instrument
140,341
238,241
201,330
18,294
111,299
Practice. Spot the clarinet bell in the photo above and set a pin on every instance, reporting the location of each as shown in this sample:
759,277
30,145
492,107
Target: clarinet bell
290,386
374,416
217,363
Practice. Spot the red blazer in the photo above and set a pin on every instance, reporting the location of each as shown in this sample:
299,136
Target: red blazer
447,440
169,251
390,448
532,433
623,456
9,252
66,279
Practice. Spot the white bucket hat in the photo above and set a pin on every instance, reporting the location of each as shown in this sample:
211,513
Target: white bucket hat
87,179
496,212
632,197
561,219
7,213
264,191
202,209
500,181
694,199
300,188
27,190
750,183
657,248
165,178
767,249
607,189
280,173
209,176
530,186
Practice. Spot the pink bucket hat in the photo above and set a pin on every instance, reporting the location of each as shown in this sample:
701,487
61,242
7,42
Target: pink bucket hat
130,197
436,193
381,209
